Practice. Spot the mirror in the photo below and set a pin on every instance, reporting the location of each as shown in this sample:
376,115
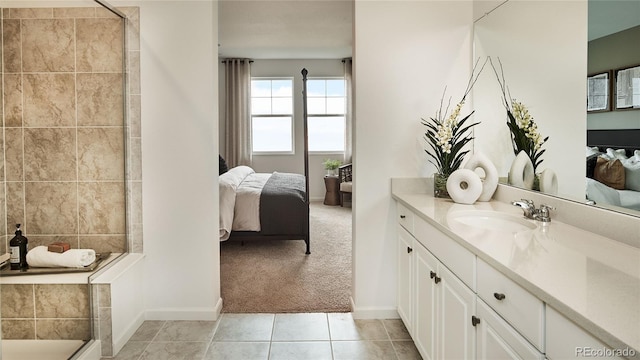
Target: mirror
545,72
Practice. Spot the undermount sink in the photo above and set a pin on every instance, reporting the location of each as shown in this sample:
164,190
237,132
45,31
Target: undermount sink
492,220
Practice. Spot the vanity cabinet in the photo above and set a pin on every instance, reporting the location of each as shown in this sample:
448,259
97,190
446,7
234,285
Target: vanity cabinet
442,327
520,308
566,340
435,305
405,277
499,340
438,302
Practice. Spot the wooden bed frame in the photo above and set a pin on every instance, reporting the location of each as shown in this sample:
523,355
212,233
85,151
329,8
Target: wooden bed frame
253,235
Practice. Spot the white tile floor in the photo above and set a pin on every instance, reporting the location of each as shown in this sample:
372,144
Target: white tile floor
332,336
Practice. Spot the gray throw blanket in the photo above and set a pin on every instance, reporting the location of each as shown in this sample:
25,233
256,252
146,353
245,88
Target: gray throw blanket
283,210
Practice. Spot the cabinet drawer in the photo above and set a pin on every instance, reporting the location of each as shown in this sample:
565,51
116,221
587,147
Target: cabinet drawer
405,218
454,256
519,307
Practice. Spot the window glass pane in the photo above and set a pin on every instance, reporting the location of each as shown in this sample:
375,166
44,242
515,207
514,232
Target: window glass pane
335,88
316,88
326,133
335,106
282,106
272,134
316,106
282,88
260,106
260,88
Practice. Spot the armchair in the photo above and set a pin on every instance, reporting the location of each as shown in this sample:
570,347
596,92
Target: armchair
346,181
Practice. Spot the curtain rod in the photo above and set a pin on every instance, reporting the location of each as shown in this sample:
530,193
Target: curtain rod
225,61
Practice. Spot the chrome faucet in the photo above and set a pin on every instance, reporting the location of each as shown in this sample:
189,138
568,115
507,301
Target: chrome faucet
527,206
530,211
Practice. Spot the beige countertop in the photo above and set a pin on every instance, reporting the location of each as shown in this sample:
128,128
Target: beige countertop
591,279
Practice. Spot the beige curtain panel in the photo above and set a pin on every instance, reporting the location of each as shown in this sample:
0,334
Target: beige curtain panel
238,112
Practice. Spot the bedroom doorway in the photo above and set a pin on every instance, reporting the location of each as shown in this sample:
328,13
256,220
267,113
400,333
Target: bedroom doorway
277,277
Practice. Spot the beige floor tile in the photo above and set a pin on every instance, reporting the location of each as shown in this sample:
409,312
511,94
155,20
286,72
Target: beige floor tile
363,350
300,327
406,350
396,329
131,351
147,331
315,350
186,331
180,350
343,327
238,351
244,327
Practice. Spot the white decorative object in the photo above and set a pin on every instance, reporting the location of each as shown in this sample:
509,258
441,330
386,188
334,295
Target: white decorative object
549,182
490,182
521,173
464,186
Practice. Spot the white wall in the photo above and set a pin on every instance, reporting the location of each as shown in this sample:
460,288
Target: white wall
179,143
544,55
405,53
290,162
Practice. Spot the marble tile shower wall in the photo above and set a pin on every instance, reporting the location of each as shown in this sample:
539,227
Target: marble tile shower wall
45,311
64,131
64,148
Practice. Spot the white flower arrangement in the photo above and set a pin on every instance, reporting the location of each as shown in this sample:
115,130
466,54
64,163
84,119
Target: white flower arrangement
447,135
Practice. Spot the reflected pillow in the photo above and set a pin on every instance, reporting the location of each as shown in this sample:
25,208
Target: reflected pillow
610,173
632,175
617,154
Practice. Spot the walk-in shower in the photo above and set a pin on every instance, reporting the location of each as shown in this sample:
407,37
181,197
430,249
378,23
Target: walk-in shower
66,166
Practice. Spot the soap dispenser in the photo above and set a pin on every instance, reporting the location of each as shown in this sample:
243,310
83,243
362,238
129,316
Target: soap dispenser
19,247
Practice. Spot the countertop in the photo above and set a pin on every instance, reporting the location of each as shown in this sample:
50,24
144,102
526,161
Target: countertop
591,279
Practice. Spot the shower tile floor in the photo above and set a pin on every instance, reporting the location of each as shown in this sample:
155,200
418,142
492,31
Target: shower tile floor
310,336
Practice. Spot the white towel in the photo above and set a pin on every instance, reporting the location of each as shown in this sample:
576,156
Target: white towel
73,258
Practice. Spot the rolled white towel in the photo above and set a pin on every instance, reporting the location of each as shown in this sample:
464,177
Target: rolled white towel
40,256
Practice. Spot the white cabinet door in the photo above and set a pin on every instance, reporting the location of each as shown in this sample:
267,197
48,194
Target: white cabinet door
405,277
457,306
497,340
566,340
425,320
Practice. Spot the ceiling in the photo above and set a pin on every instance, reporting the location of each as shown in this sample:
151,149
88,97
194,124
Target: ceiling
323,29
300,29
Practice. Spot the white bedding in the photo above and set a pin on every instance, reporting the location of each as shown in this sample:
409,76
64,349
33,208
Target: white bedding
228,184
247,212
240,189
603,194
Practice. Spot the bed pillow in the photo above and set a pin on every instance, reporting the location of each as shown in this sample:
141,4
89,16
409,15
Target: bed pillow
620,154
235,175
632,175
592,150
610,173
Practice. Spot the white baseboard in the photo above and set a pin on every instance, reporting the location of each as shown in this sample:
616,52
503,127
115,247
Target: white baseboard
121,341
92,352
207,314
373,312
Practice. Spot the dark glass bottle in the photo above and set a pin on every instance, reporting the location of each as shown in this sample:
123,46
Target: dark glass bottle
19,245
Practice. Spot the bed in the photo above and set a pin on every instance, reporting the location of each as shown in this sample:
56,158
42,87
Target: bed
266,206
613,167
263,206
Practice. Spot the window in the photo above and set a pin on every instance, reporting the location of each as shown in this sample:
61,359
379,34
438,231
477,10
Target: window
272,115
326,106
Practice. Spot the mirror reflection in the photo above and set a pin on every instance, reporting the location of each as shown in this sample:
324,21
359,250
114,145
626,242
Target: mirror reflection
545,61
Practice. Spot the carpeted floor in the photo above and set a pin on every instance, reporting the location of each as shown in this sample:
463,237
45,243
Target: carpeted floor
277,276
